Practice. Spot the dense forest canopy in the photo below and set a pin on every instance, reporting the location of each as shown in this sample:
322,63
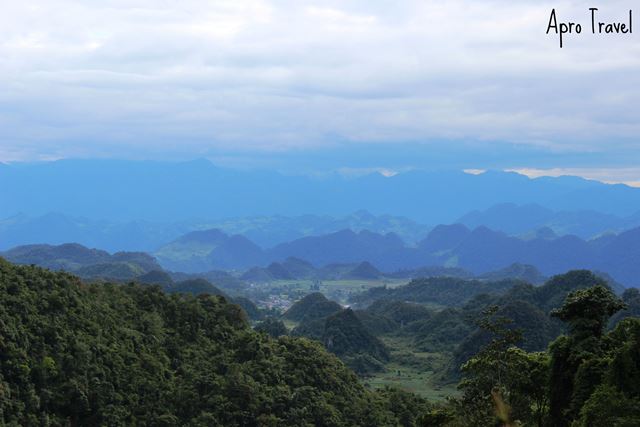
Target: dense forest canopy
78,354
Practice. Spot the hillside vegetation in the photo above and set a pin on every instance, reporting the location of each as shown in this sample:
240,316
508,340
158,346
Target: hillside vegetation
85,262
105,354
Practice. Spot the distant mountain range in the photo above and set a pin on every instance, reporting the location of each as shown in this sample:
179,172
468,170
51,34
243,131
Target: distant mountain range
138,235
449,250
527,220
206,250
482,250
56,228
169,192
478,251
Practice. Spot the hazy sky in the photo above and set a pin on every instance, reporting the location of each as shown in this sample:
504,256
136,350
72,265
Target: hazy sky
350,84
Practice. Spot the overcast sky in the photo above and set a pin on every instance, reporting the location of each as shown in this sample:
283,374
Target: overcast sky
375,83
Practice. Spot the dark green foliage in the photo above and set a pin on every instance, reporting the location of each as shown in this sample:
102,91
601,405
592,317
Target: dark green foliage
221,279
85,262
536,326
297,269
312,306
631,297
624,371
475,306
630,294
140,259
312,329
588,310
536,329
616,400
363,364
607,406
615,286
363,271
442,332
76,354
528,307
579,362
407,407
446,291
252,311
69,256
554,292
110,271
606,390
439,416
272,326
563,369
344,335
504,372
197,286
400,312
155,277
376,324
194,287
589,374
593,377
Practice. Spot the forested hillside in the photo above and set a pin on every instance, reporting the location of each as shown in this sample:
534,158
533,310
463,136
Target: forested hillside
73,353
585,378
85,262
105,354
447,291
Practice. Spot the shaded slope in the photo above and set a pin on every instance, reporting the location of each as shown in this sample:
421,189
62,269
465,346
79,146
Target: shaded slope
109,354
447,291
312,306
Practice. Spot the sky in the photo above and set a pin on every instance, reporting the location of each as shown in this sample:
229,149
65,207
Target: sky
302,85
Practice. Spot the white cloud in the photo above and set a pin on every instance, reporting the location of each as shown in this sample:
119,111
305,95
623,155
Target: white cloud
629,176
93,78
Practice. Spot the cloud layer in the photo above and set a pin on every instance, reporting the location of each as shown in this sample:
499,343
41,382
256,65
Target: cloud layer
193,78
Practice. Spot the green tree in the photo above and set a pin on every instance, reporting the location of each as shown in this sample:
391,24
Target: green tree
272,326
487,372
82,354
575,368
587,311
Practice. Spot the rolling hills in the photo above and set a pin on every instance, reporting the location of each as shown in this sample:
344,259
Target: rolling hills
524,220
455,247
453,250
88,263
141,235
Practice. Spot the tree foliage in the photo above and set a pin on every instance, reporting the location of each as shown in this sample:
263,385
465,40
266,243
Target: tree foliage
77,354
586,378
